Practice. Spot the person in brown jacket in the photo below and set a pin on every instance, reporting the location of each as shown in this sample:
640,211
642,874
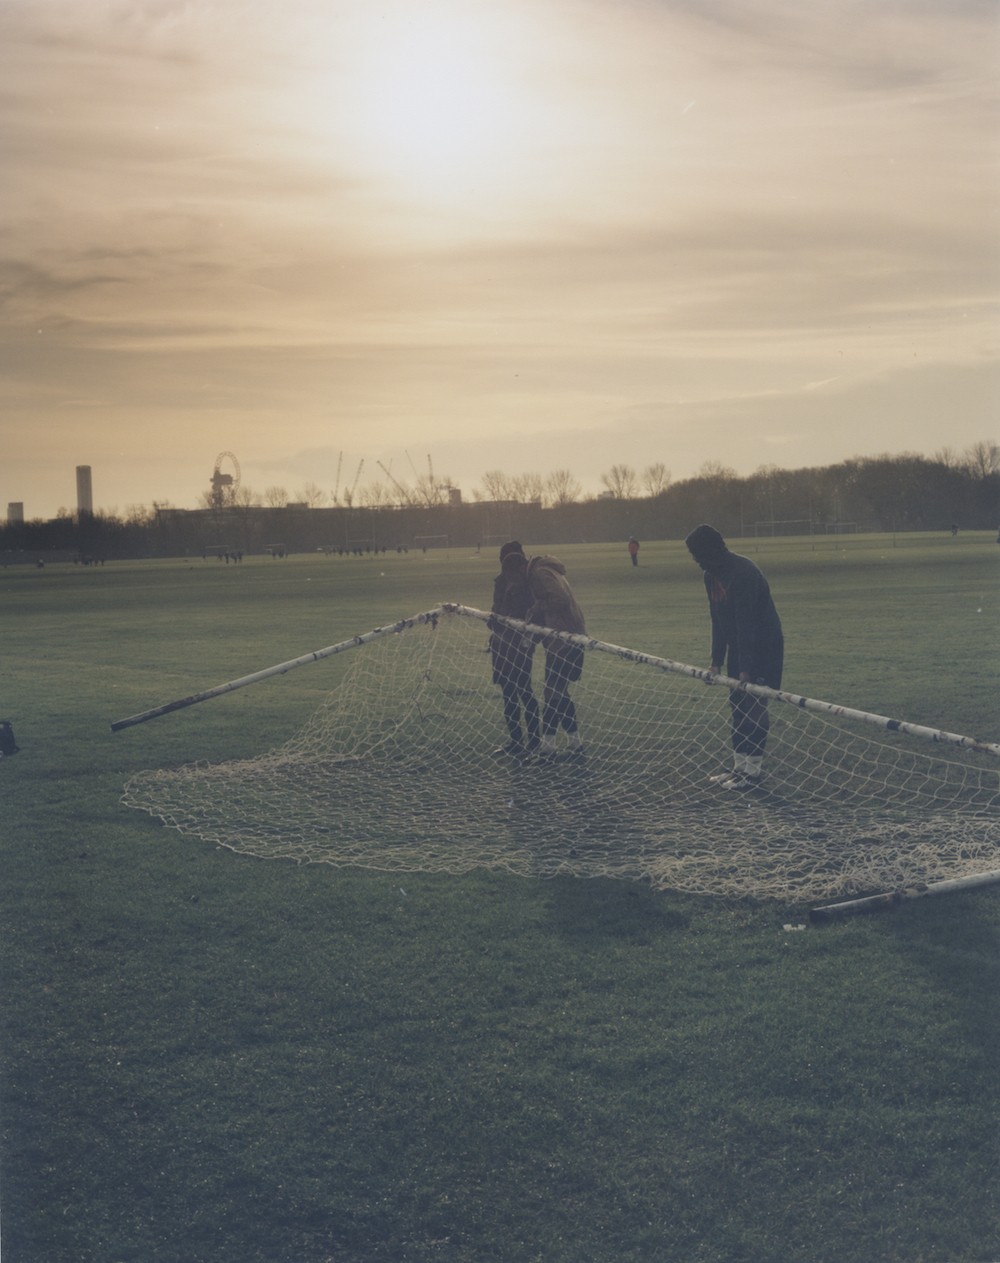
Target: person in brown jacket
554,605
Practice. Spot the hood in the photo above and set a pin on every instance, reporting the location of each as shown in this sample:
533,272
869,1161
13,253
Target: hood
546,563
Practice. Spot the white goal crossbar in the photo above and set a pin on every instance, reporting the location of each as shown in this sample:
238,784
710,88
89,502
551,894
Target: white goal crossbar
628,655
758,690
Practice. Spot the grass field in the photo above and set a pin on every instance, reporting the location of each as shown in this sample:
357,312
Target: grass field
209,1058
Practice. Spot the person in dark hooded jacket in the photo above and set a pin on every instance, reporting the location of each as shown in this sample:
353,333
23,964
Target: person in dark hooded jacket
554,605
747,636
512,651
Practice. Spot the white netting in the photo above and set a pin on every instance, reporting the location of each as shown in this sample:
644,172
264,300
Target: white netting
396,772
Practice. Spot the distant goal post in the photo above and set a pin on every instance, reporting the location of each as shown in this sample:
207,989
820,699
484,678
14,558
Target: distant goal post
426,542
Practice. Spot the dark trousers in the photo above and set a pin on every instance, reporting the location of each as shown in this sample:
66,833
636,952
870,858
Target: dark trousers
517,693
751,721
563,665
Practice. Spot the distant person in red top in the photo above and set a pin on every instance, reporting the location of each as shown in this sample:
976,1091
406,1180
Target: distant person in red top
747,636
633,549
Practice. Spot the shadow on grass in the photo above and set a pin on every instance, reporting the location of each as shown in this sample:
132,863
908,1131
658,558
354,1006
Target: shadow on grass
601,909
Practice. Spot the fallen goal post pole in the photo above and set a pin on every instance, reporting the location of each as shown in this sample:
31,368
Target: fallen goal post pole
757,690
873,903
404,624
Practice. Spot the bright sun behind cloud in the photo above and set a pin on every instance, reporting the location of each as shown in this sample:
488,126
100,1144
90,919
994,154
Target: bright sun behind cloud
437,100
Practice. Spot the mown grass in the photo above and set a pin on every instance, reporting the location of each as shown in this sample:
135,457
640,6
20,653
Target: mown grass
213,1058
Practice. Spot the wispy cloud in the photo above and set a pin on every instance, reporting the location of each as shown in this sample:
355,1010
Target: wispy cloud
230,226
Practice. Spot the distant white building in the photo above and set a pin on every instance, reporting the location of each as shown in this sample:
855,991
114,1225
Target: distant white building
15,511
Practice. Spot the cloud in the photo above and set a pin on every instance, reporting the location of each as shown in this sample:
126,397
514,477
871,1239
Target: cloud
737,226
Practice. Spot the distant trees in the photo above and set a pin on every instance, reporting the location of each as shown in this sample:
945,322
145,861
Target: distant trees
620,482
521,488
982,460
561,488
312,495
655,479
875,493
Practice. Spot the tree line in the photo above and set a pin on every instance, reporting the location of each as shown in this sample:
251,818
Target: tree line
879,493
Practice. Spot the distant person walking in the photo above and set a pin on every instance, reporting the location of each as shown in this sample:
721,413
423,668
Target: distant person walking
633,549
554,605
747,636
513,651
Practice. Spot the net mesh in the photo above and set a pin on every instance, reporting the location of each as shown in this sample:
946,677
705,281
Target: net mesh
398,771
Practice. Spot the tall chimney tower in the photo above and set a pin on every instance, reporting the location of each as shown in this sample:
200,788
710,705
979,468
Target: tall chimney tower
84,490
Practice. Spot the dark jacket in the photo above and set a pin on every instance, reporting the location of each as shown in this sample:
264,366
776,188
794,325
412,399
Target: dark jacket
511,650
745,623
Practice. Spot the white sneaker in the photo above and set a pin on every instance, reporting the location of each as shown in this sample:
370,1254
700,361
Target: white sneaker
739,780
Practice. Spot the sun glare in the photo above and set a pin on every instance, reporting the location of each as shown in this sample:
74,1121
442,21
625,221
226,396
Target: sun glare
437,105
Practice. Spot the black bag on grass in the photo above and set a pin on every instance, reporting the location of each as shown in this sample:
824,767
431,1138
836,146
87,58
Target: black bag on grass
8,745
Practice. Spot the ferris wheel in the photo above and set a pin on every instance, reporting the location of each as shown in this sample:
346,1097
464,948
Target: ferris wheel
225,482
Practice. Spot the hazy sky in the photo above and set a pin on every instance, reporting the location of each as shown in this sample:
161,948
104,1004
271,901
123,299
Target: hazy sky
506,234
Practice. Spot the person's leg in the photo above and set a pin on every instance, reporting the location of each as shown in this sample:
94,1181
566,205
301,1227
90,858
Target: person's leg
511,711
751,724
532,719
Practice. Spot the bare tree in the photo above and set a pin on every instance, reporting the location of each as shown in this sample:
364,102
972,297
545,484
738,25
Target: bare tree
429,492
718,472
375,495
245,498
621,482
312,495
561,488
655,479
275,497
526,488
496,486
982,459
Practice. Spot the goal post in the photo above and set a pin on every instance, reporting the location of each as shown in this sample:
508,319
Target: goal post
403,767
426,542
584,642
756,690
282,668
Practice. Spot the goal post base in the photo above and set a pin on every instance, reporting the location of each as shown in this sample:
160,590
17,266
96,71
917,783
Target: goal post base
874,903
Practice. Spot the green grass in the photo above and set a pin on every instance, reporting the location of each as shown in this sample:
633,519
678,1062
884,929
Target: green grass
213,1058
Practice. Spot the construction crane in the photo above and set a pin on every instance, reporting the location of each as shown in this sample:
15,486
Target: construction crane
349,496
404,495
336,490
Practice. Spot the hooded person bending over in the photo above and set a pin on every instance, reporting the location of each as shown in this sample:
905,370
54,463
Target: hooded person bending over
512,651
553,605
746,627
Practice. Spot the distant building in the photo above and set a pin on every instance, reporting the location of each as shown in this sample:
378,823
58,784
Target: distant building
15,511
84,490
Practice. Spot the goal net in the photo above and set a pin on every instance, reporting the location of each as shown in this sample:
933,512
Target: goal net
397,771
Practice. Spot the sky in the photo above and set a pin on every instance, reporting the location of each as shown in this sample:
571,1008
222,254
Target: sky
337,238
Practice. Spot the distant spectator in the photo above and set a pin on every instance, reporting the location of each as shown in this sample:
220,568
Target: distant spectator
633,549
